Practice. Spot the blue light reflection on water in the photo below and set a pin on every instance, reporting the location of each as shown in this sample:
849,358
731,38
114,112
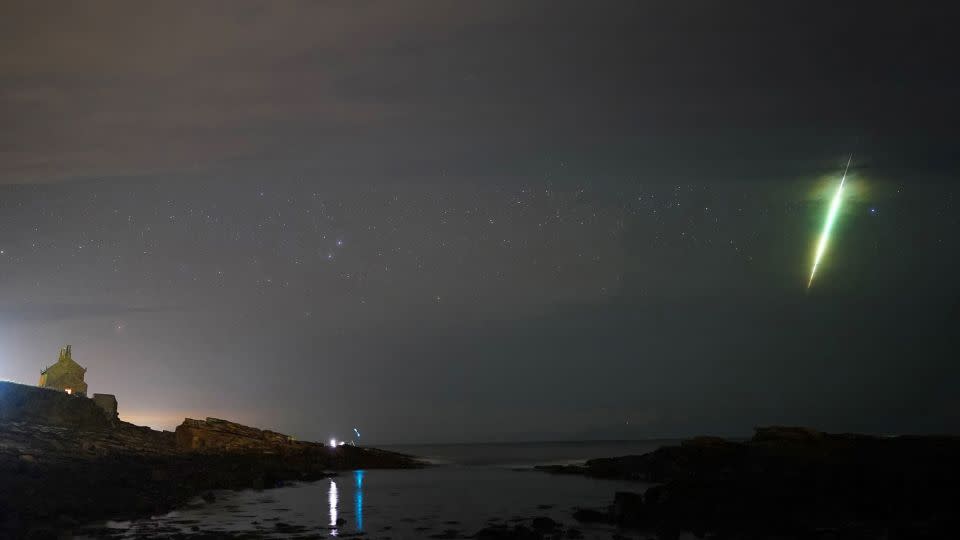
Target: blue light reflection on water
358,499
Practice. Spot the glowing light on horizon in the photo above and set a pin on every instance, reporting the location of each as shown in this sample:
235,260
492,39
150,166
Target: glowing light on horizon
828,225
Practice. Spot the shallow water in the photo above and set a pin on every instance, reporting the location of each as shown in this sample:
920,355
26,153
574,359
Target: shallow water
475,488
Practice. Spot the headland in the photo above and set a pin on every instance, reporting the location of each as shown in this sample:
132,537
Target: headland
67,460
786,482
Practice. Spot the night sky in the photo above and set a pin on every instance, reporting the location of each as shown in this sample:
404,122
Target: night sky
485,221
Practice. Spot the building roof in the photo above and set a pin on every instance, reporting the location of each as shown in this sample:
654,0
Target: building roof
66,357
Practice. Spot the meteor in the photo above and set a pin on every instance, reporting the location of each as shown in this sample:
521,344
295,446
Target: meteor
831,217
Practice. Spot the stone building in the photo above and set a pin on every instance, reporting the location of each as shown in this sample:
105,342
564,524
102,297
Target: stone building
107,403
66,375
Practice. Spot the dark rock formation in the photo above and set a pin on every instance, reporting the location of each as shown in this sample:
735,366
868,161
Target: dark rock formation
544,524
62,462
589,515
108,404
215,435
791,483
47,406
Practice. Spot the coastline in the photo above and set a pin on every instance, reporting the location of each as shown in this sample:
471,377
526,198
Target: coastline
788,482
63,463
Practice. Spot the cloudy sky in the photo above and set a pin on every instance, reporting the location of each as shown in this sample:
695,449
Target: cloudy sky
484,221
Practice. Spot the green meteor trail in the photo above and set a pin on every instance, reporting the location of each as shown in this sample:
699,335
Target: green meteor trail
831,217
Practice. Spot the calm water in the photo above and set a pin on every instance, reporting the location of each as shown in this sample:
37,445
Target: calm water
471,487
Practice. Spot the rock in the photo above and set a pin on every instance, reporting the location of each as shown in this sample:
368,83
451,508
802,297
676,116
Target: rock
447,534
214,434
786,433
544,524
502,532
107,404
791,482
587,515
706,442
44,406
628,509
60,456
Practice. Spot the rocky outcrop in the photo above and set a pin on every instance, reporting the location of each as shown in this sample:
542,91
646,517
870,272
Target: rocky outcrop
19,402
791,483
62,462
107,404
216,435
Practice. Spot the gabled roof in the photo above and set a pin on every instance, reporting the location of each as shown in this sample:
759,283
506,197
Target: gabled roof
65,358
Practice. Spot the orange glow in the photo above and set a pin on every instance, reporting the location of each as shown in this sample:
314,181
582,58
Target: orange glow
169,419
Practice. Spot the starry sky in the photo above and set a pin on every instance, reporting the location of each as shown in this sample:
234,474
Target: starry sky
447,222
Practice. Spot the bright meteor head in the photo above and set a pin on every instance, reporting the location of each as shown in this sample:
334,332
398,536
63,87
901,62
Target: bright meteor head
828,226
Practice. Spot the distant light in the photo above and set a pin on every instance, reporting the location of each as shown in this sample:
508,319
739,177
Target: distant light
333,443
341,443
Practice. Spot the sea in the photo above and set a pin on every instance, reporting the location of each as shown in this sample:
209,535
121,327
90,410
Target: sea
466,488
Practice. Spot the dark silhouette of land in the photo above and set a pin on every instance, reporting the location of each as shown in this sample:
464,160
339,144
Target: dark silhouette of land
788,482
65,463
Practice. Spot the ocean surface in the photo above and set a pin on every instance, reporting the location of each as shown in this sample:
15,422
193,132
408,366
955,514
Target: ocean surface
469,486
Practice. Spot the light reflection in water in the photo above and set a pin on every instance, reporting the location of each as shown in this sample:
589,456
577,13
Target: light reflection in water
358,499
332,497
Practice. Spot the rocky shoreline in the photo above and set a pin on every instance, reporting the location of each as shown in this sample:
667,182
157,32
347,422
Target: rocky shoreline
787,482
64,463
